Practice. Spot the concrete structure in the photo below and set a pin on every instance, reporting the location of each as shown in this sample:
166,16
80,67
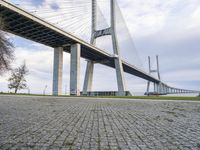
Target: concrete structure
90,64
118,63
57,71
75,70
88,77
117,59
23,24
158,88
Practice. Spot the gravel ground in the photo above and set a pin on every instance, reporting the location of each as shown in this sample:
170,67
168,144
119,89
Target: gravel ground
81,123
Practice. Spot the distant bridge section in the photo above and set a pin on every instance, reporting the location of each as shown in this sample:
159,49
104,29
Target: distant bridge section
163,89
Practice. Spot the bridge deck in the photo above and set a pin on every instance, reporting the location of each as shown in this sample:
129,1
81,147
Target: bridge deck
24,24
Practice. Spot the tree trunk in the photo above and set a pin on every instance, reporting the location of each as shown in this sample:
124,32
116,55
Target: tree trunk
16,90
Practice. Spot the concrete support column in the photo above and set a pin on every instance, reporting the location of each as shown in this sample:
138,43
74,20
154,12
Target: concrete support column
120,77
88,77
75,70
162,88
148,87
118,62
157,88
57,71
87,86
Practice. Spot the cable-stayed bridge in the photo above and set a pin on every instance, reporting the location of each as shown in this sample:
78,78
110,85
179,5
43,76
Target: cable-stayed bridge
25,24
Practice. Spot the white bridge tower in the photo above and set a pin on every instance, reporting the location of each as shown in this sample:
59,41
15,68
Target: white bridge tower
157,70
117,58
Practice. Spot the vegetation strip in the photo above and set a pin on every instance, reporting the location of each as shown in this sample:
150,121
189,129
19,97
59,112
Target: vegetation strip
121,97
154,97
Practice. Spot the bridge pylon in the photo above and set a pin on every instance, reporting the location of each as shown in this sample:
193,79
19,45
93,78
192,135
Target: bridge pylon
158,88
117,58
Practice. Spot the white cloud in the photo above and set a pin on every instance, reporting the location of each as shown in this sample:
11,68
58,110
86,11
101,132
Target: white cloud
195,19
183,75
146,17
165,23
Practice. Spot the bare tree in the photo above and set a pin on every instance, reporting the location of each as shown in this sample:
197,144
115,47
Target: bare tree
6,50
17,79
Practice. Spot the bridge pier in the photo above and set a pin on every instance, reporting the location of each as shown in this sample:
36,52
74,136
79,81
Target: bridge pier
161,88
75,70
118,62
154,87
170,90
120,77
57,71
157,88
164,89
167,90
148,87
88,77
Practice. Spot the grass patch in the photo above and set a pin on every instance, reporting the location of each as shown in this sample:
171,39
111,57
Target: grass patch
197,98
23,94
155,97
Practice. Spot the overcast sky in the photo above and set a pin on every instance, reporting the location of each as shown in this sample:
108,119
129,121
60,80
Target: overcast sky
169,28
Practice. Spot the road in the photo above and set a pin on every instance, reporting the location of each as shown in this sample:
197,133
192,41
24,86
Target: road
82,123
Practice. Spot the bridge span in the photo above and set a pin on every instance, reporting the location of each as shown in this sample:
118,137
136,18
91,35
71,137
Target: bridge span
23,24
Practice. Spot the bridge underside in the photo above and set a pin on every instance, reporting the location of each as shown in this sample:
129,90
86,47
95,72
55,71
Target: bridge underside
23,24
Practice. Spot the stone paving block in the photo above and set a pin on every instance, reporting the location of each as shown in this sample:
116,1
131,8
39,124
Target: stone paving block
78,123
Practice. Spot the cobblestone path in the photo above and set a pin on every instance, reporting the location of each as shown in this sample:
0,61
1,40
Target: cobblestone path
97,124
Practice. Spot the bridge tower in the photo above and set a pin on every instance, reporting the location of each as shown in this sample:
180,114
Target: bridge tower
157,70
117,58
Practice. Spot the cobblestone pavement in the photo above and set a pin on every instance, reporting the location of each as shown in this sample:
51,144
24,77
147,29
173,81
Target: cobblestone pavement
77,123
